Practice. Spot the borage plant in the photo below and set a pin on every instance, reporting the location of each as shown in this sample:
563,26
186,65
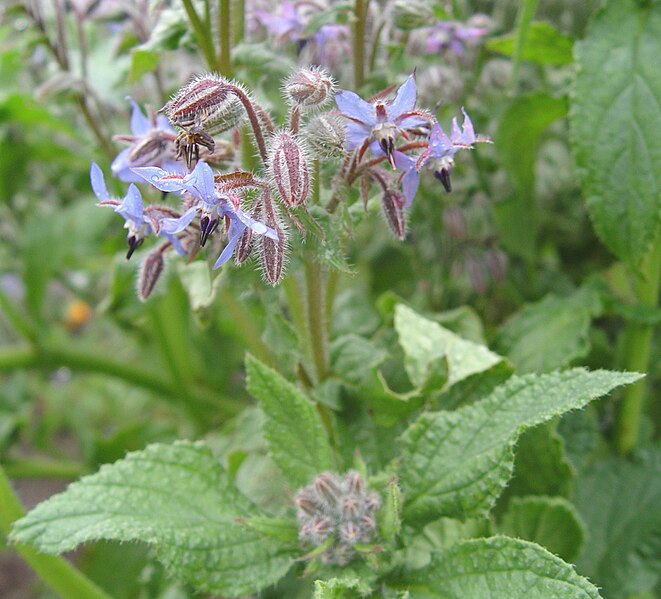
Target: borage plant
389,481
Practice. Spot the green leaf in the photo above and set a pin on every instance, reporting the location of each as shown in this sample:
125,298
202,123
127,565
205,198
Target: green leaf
176,498
425,342
280,529
501,568
540,465
619,501
550,333
544,44
293,429
142,61
548,521
347,587
615,119
455,464
353,358
517,138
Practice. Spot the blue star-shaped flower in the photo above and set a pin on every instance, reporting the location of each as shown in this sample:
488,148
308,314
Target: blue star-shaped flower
377,124
212,206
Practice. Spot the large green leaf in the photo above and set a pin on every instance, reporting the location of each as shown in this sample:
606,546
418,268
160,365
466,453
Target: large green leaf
615,118
293,428
620,502
174,497
544,44
550,333
500,568
455,464
549,521
425,342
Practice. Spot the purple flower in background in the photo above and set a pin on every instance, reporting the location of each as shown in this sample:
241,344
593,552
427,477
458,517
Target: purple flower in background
151,144
209,202
439,155
453,36
377,124
131,209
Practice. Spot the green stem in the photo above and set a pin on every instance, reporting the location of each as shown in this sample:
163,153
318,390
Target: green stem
37,467
295,304
85,361
55,571
238,20
245,323
201,34
526,14
360,14
316,316
225,33
637,346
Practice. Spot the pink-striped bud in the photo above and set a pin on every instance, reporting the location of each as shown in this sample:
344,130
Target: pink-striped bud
309,87
393,204
243,246
150,272
274,252
289,169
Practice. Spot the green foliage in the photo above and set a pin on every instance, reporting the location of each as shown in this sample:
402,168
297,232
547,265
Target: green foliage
176,498
550,333
544,44
548,521
615,113
456,463
292,428
619,500
500,567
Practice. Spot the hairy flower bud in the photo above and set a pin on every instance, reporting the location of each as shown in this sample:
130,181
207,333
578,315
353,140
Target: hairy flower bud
337,508
150,272
203,108
393,204
243,246
273,252
309,87
289,169
325,136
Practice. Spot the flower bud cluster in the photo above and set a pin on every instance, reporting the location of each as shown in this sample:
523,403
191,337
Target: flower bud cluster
338,510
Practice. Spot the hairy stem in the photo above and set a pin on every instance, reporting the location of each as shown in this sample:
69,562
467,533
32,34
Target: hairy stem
637,346
55,571
254,121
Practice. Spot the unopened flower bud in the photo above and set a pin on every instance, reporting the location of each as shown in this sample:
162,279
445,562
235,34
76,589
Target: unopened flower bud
326,485
393,204
477,272
289,169
496,261
349,533
309,87
273,252
325,136
354,482
150,272
243,246
350,507
455,221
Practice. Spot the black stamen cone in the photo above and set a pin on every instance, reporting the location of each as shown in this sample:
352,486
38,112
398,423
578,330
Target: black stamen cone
388,146
443,176
207,227
134,244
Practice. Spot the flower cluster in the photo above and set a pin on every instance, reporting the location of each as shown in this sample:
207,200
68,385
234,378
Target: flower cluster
337,513
388,141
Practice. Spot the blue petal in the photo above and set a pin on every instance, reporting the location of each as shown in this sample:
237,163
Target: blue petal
160,179
352,105
236,228
404,100
439,143
131,207
201,183
163,123
172,226
255,225
355,135
176,244
98,183
140,124
468,133
410,183
121,168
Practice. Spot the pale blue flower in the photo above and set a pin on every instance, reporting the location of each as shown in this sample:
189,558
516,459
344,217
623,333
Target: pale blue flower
211,204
